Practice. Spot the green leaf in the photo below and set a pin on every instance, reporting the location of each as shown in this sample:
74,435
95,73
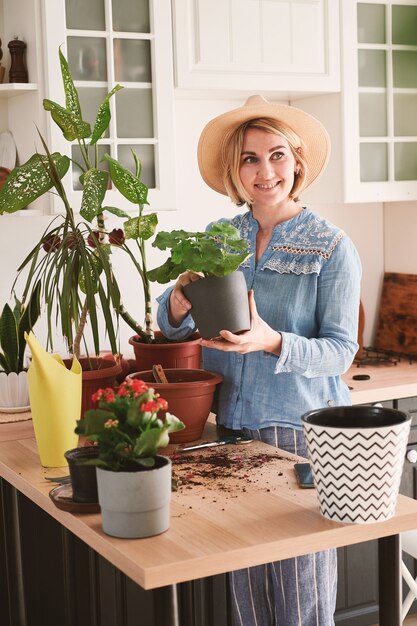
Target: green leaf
30,181
71,95
27,320
142,227
115,211
173,423
9,338
149,441
95,187
72,126
164,273
103,116
129,186
93,422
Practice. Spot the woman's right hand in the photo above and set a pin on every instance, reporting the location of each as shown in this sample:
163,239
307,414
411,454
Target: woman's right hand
179,306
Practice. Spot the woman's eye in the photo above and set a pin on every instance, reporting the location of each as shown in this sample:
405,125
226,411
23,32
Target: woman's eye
249,159
277,155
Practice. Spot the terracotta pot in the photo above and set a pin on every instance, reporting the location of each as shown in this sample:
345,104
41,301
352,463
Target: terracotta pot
184,354
189,393
118,358
83,477
136,504
97,374
219,303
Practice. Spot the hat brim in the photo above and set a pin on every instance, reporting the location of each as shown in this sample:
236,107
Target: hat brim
316,141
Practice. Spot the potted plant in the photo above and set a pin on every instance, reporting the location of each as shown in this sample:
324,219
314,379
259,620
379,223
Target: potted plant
134,481
72,260
220,300
14,323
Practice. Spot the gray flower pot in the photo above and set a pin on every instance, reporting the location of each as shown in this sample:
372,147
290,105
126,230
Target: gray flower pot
219,303
135,504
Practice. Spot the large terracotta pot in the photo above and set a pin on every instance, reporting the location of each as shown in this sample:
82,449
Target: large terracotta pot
189,393
97,373
184,354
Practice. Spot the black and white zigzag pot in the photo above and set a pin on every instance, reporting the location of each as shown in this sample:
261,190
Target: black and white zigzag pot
357,456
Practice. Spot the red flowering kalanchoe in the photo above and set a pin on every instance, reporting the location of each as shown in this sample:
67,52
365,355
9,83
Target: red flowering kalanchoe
130,424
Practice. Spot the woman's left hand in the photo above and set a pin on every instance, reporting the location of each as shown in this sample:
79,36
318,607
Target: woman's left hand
260,336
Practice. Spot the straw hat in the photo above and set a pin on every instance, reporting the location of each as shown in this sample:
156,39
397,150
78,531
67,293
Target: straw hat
314,137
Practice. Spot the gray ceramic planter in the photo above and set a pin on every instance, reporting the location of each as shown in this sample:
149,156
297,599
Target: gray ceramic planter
135,504
219,303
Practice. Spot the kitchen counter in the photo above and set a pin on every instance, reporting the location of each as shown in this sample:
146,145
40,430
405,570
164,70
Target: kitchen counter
235,506
386,382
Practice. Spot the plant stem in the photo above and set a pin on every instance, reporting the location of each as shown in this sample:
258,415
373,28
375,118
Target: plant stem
80,330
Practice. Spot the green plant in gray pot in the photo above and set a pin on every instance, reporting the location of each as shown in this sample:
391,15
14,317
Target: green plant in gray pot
134,480
219,300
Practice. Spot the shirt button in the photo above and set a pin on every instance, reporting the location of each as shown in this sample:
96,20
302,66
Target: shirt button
330,403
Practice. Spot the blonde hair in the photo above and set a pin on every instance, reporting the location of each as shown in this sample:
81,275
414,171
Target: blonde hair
232,152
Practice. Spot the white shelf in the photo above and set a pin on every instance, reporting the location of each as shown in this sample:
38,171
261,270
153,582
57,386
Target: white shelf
9,90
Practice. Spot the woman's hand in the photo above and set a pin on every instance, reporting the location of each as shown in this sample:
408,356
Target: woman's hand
260,336
179,306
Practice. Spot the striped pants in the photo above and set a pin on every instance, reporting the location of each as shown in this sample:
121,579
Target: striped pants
294,592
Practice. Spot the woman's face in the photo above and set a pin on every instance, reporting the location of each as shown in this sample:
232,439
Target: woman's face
267,167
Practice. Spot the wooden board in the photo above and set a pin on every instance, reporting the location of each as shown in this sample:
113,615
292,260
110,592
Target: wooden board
397,322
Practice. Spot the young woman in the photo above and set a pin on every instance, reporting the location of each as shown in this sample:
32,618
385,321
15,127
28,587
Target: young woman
304,284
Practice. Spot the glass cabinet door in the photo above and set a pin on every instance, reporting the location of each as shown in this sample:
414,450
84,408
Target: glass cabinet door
109,42
384,119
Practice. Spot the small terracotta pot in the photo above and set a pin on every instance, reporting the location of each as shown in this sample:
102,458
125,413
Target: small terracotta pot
83,477
189,393
183,354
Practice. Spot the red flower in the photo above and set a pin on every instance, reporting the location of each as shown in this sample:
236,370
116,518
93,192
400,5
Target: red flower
93,239
150,407
51,243
103,394
117,237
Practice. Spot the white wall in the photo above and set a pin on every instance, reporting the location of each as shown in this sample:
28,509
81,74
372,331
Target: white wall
197,205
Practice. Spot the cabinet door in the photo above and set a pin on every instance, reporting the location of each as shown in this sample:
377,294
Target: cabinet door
109,42
380,100
263,46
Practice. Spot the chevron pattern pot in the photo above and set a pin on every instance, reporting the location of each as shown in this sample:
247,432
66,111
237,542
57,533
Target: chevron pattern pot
357,455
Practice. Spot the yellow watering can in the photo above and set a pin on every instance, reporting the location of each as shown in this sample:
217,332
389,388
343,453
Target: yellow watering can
55,402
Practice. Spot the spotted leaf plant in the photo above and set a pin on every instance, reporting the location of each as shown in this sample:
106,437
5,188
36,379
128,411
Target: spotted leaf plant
72,260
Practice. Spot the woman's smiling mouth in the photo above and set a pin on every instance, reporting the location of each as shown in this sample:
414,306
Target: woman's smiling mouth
267,186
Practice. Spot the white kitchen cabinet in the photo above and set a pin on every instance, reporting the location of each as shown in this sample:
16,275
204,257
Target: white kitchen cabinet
379,106
257,45
106,42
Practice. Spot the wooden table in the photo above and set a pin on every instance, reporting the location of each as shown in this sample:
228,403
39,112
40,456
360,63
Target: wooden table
251,514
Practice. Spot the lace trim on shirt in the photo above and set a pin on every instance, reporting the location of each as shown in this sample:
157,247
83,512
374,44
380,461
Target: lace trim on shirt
293,266
326,254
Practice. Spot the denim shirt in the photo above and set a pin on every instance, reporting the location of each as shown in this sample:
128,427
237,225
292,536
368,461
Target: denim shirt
307,287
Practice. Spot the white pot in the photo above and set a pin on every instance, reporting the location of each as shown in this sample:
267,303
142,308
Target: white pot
135,504
14,391
357,455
